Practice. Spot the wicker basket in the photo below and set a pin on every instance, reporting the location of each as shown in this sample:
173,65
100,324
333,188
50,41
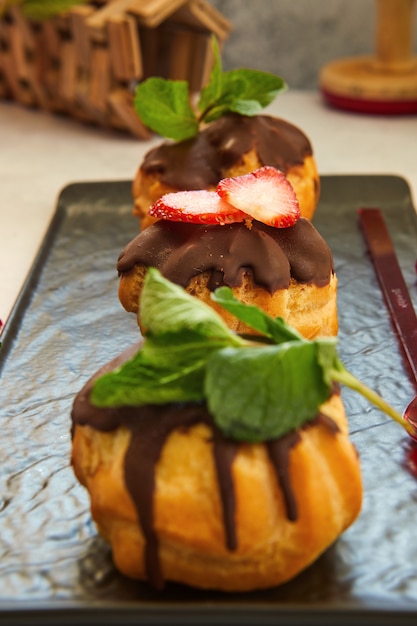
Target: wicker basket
87,62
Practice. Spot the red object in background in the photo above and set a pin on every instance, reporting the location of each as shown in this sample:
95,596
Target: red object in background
383,83
411,458
374,107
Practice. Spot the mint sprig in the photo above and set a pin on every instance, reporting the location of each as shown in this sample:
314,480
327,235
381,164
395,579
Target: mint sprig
254,391
164,105
262,393
181,333
333,370
275,329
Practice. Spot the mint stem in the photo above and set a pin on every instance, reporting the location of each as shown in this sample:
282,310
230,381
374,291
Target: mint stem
203,114
346,378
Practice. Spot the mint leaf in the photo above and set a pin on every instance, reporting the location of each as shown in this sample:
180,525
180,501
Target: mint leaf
258,87
181,333
145,381
168,370
167,309
164,106
251,90
243,91
218,97
213,90
327,357
275,329
256,394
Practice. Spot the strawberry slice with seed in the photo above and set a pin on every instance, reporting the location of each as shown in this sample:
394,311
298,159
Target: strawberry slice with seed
265,194
196,207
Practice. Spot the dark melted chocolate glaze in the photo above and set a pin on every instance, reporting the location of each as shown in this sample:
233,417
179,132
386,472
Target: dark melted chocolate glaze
272,256
150,426
198,163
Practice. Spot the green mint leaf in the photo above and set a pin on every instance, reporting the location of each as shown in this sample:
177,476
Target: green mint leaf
256,394
181,333
328,360
164,107
168,368
259,87
218,97
145,381
212,92
327,357
243,91
253,90
167,309
275,329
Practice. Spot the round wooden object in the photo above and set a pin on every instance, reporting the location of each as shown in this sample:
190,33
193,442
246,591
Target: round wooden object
359,84
386,82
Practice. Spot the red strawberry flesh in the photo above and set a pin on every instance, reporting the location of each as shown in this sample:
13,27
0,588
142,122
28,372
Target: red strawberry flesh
196,207
265,194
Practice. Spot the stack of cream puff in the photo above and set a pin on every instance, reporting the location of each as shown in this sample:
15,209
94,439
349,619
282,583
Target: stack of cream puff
175,498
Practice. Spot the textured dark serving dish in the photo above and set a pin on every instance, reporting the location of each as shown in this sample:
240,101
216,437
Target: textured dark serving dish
68,321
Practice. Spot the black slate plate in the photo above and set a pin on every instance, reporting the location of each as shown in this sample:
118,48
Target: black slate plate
68,321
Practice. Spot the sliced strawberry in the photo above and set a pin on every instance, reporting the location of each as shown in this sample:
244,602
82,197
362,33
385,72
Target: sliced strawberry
265,194
196,207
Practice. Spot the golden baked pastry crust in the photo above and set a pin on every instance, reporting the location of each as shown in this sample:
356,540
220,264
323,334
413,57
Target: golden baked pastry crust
325,477
309,309
147,188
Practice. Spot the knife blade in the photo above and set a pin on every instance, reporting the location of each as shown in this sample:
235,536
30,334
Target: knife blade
391,280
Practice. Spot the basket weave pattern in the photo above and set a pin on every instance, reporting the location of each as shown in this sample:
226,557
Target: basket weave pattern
87,62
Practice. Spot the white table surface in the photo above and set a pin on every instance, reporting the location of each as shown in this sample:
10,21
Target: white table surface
41,153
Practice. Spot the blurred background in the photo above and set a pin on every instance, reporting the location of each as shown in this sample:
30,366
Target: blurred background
295,38
87,60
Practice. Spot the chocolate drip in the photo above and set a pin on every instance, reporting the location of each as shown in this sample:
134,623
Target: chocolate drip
329,423
150,426
225,451
272,256
198,163
149,433
279,454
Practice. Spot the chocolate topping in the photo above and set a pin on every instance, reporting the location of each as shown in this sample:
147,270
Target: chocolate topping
272,256
279,454
199,163
150,425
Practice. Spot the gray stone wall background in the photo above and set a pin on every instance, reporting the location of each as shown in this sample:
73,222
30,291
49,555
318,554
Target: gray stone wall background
295,38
